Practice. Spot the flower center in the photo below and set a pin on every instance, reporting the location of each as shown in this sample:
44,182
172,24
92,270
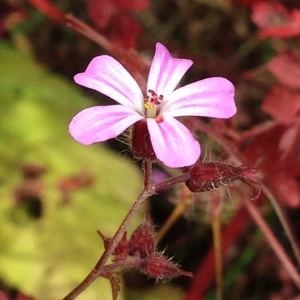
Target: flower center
152,106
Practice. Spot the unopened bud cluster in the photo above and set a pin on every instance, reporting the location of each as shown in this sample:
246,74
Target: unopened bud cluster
140,252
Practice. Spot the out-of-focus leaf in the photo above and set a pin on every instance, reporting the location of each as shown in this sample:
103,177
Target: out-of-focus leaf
114,18
267,15
280,172
47,257
286,68
282,104
275,21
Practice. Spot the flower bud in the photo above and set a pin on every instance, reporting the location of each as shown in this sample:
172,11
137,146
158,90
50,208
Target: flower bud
208,176
158,267
141,243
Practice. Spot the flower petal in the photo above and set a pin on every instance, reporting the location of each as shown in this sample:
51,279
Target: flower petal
100,123
173,143
166,71
211,97
107,76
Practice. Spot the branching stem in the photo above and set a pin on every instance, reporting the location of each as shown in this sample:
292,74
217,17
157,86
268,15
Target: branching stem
100,266
148,191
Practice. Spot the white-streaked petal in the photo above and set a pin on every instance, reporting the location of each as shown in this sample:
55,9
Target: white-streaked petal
173,143
100,123
107,76
211,97
166,71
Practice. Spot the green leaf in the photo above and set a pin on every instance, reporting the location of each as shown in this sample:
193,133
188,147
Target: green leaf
49,256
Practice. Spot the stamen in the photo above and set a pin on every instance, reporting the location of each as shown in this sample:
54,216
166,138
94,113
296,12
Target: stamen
154,98
148,105
151,104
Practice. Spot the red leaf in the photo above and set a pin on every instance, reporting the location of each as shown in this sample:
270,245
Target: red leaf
281,175
282,104
268,15
114,19
286,68
275,20
290,139
101,12
119,30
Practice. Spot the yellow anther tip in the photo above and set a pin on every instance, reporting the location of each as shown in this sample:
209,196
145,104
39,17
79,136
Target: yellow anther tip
148,105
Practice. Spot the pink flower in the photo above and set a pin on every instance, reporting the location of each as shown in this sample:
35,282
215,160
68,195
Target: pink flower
172,142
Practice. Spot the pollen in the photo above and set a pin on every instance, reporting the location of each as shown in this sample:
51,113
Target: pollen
148,105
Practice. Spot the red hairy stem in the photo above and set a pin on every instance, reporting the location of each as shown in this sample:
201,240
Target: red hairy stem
50,10
171,181
100,266
147,165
